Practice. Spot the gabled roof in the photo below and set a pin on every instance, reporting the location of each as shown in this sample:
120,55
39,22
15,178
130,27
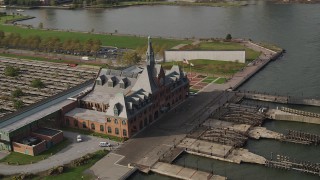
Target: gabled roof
119,102
145,81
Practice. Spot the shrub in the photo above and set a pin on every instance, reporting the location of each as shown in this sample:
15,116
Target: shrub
37,83
11,71
17,104
228,37
17,93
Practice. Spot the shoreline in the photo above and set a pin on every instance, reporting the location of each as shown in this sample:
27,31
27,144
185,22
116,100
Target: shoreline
138,3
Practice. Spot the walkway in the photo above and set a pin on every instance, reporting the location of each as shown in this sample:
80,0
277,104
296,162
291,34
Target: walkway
107,167
73,151
240,77
146,148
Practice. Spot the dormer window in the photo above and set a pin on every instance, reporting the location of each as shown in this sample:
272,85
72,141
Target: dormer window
112,82
122,85
116,111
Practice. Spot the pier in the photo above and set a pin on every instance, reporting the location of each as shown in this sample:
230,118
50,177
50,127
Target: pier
283,162
288,114
183,172
301,137
278,98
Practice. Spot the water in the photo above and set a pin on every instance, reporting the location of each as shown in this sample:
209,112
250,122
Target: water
294,27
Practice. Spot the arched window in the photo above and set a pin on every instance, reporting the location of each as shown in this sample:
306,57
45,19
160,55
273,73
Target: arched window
124,122
117,131
75,123
101,128
84,125
124,132
115,121
93,126
109,130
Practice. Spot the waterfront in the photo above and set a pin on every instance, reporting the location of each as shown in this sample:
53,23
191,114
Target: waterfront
294,27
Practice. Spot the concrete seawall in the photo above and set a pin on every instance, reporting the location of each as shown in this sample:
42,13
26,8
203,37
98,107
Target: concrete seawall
257,69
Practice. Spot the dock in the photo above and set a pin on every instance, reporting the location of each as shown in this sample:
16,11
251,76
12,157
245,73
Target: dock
279,98
220,152
284,162
183,172
283,114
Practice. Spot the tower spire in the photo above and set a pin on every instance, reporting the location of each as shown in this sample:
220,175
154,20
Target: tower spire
150,53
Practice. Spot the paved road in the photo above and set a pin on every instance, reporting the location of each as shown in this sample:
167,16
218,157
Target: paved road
75,150
150,144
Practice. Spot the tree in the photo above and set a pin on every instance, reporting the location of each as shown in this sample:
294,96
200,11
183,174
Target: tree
228,37
11,71
17,93
131,57
40,26
17,104
1,34
37,83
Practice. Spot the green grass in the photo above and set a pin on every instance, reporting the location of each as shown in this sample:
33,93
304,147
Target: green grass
18,158
91,133
121,41
214,4
209,79
250,54
271,47
221,81
193,90
209,66
76,173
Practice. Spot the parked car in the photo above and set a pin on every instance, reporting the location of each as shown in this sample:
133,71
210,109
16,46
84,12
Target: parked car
193,93
104,144
79,138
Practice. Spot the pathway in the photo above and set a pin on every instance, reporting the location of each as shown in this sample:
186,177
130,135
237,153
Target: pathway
73,151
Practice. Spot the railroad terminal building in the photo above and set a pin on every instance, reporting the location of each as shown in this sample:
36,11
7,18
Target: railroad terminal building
113,102
124,102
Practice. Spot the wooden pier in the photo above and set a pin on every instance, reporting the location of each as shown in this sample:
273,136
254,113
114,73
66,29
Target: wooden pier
283,162
279,98
301,137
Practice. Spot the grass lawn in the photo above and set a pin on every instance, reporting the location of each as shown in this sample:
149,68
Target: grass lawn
220,81
250,54
120,41
90,133
209,66
18,158
271,46
76,173
193,90
209,79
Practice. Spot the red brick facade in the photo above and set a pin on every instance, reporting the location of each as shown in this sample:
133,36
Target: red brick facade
29,150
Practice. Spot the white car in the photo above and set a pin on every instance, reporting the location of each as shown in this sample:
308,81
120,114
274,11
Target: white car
79,138
104,144
193,93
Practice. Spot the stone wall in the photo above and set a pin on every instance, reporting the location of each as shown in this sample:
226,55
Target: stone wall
234,56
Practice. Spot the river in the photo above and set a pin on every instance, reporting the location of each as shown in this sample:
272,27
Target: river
294,27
